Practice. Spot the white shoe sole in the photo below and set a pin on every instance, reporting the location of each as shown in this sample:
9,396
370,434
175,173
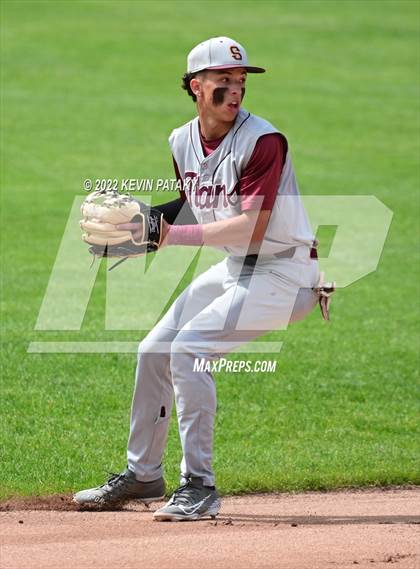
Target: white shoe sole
104,505
168,517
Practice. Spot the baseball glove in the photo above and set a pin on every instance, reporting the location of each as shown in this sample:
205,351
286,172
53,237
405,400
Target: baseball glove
103,211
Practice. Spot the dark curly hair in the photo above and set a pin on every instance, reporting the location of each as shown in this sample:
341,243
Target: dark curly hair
186,78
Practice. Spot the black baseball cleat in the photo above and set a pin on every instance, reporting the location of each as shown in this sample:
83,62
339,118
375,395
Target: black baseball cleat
191,501
118,489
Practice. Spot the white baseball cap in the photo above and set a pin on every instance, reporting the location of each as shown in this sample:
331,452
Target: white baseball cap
219,53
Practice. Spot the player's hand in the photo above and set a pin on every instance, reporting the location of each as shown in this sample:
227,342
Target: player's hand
136,228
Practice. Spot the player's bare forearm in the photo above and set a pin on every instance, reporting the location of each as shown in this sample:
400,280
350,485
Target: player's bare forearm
247,228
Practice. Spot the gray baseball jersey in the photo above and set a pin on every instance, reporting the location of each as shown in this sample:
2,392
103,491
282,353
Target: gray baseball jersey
212,189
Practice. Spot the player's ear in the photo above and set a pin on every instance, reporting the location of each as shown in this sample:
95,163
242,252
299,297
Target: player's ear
195,85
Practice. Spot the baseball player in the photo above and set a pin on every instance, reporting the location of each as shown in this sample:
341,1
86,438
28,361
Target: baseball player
239,195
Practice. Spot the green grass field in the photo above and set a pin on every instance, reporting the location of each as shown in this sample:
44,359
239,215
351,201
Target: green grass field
92,90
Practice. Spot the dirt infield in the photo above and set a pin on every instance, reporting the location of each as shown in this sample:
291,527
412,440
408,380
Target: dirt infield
363,529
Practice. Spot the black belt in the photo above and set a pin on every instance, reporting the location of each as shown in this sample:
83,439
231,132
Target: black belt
250,260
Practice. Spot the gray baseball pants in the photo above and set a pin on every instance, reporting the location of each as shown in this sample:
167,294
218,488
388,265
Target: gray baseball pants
221,309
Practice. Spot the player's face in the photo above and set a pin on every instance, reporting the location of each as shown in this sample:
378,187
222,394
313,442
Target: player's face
221,92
